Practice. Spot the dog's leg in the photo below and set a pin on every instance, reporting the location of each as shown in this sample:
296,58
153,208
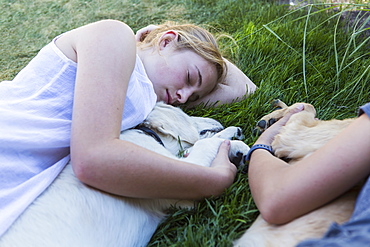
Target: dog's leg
274,116
230,133
303,134
204,151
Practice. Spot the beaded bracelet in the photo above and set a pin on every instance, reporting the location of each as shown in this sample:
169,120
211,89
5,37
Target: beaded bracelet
259,146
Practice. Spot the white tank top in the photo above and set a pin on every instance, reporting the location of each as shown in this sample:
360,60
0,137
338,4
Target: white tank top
35,124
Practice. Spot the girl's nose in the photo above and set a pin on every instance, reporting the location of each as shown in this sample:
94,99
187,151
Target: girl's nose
183,95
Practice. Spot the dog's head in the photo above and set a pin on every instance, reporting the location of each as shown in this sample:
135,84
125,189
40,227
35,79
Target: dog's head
169,120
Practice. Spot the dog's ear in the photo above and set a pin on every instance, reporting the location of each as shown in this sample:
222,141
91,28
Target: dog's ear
170,120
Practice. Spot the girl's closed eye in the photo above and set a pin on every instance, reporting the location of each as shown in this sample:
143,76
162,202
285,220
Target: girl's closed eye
188,82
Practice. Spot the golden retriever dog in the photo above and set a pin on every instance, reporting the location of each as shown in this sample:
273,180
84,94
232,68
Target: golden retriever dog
300,137
69,213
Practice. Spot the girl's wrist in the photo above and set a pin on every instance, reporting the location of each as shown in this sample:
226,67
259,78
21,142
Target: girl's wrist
258,146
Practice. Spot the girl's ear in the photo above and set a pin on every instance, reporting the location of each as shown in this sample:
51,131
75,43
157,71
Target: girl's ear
167,39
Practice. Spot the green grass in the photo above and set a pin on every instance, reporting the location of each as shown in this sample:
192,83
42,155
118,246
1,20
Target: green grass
303,54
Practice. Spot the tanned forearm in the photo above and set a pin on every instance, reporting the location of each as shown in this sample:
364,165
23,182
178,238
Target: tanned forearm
145,174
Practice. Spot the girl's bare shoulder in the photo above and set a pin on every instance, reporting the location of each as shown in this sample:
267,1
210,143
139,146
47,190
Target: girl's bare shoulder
101,31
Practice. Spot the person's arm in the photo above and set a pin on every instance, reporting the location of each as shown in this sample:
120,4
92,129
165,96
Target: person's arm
106,53
235,86
284,192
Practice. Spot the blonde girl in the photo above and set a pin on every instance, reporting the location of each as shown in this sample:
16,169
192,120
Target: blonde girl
75,97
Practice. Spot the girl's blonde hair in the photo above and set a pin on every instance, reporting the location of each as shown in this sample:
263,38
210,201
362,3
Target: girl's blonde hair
190,37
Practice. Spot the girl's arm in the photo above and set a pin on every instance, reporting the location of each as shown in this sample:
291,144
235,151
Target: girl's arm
106,52
235,86
284,192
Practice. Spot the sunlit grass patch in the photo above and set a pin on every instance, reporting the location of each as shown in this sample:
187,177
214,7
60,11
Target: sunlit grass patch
316,53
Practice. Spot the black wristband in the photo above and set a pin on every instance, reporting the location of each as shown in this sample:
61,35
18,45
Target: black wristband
259,146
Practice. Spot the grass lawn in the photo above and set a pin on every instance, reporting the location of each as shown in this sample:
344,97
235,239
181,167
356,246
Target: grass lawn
306,53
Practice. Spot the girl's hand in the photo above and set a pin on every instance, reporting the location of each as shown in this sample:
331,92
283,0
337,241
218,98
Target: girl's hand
269,134
226,170
143,32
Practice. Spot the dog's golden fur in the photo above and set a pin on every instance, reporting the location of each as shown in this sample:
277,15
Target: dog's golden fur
300,137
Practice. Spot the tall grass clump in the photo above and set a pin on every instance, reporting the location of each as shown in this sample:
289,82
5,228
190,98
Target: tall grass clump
317,53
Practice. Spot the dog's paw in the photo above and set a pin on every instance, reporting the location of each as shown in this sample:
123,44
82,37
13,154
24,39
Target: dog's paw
230,133
268,120
238,153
